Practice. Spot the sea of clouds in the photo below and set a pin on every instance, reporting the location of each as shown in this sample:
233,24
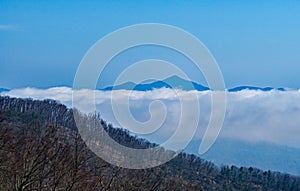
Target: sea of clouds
251,115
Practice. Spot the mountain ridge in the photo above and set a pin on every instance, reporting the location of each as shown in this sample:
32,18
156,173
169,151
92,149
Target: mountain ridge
175,82
48,120
4,90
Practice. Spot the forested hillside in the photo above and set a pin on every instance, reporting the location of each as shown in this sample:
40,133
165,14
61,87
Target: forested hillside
40,149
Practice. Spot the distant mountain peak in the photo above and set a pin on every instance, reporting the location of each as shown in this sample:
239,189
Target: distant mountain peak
172,82
176,82
265,89
3,90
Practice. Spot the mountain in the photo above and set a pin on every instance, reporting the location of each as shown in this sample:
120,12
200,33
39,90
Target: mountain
262,155
175,82
265,89
3,90
41,149
125,86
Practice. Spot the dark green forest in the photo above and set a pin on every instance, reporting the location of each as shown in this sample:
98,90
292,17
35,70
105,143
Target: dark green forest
41,150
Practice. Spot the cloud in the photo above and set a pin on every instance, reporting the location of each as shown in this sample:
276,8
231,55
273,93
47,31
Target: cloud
251,116
8,27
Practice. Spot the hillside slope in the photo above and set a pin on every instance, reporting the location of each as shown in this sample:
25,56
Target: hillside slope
40,149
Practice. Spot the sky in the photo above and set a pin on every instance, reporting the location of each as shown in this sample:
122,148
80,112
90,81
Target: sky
254,43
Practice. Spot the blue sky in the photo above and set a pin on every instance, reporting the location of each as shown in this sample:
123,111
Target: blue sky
254,42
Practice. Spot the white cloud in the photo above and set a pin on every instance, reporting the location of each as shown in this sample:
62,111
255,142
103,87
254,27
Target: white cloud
251,115
7,27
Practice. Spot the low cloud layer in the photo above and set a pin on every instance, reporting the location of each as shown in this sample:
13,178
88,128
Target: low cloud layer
252,116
